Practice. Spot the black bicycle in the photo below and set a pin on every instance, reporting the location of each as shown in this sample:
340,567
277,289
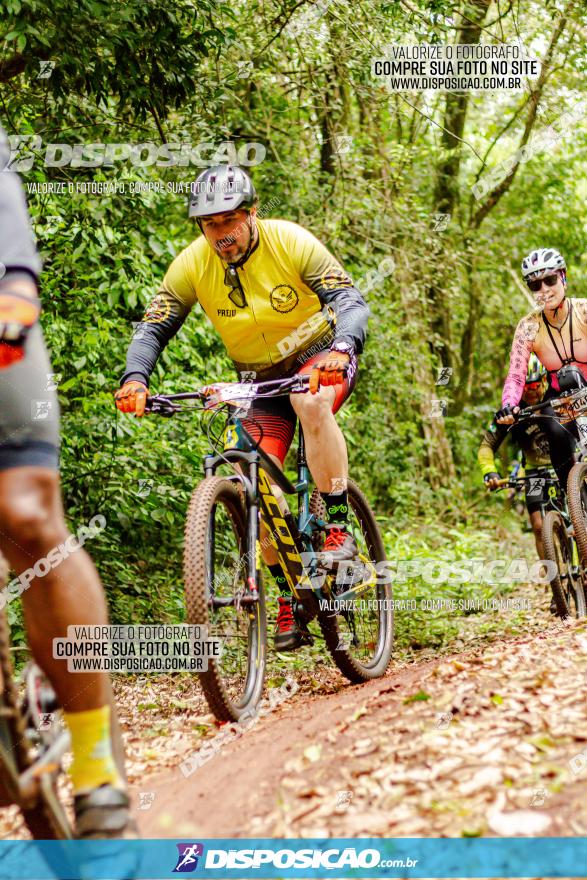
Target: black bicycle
222,555
564,526
570,580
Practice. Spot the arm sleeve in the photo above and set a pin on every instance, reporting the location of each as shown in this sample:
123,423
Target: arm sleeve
333,286
164,316
18,254
492,440
522,348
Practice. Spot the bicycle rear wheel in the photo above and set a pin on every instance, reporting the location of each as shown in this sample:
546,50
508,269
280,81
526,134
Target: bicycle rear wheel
360,638
567,586
215,568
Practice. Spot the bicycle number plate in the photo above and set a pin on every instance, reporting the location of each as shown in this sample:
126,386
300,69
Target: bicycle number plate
572,407
239,394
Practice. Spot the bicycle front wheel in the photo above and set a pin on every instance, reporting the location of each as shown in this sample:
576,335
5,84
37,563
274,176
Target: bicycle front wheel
577,500
360,637
567,586
215,578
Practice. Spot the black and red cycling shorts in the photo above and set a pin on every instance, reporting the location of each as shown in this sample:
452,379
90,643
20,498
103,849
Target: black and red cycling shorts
271,422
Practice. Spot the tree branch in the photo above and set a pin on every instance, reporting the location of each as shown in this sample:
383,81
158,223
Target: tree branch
499,191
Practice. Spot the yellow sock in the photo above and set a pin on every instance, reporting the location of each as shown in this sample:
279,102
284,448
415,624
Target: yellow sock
91,744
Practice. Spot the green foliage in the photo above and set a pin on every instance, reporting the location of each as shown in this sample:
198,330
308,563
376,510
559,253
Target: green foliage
132,72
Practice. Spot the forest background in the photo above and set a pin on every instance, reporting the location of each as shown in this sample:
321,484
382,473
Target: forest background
429,199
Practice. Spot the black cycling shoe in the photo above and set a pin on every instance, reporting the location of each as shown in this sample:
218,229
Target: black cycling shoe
339,547
104,812
288,636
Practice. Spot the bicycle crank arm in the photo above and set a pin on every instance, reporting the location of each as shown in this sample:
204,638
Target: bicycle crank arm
48,762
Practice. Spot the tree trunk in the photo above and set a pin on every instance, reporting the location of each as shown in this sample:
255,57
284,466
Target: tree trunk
468,339
440,468
327,128
446,190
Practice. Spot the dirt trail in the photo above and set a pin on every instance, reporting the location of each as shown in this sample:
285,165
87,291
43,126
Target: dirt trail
491,741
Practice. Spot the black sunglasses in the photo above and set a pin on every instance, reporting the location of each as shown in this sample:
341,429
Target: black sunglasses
237,294
549,280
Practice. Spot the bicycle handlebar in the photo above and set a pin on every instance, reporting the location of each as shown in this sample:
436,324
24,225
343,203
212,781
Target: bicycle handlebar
227,392
518,482
566,397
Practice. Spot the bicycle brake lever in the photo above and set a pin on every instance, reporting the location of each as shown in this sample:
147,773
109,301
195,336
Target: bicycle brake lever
160,406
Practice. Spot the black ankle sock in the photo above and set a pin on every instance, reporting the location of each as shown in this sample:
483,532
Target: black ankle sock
280,578
337,507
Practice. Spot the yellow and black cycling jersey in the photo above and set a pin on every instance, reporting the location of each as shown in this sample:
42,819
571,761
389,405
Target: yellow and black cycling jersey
291,293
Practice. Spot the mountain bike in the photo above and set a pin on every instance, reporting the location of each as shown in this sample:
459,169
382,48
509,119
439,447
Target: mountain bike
222,555
570,581
571,406
33,743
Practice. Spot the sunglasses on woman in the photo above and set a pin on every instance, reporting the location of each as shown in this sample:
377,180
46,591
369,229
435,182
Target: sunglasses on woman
549,280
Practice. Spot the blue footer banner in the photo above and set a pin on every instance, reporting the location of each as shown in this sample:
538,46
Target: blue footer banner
303,858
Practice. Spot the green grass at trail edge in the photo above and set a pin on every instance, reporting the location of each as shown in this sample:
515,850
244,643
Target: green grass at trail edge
158,592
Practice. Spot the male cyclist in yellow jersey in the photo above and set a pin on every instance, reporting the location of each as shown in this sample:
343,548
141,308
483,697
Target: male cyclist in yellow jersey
33,529
282,305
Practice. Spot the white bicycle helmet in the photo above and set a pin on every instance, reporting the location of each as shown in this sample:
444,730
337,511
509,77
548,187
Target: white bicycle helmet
221,188
543,261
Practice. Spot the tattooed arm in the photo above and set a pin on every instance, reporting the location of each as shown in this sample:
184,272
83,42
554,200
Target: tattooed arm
580,305
522,348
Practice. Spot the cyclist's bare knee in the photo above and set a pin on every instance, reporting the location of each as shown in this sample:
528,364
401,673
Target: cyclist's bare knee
311,408
31,516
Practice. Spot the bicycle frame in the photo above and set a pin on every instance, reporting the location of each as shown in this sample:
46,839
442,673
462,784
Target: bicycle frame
290,539
556,502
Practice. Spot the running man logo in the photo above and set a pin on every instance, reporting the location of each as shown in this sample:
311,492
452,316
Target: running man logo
539,796
438,409
187,860
444,374
535,487
345,641
46,720
440,222
46,69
